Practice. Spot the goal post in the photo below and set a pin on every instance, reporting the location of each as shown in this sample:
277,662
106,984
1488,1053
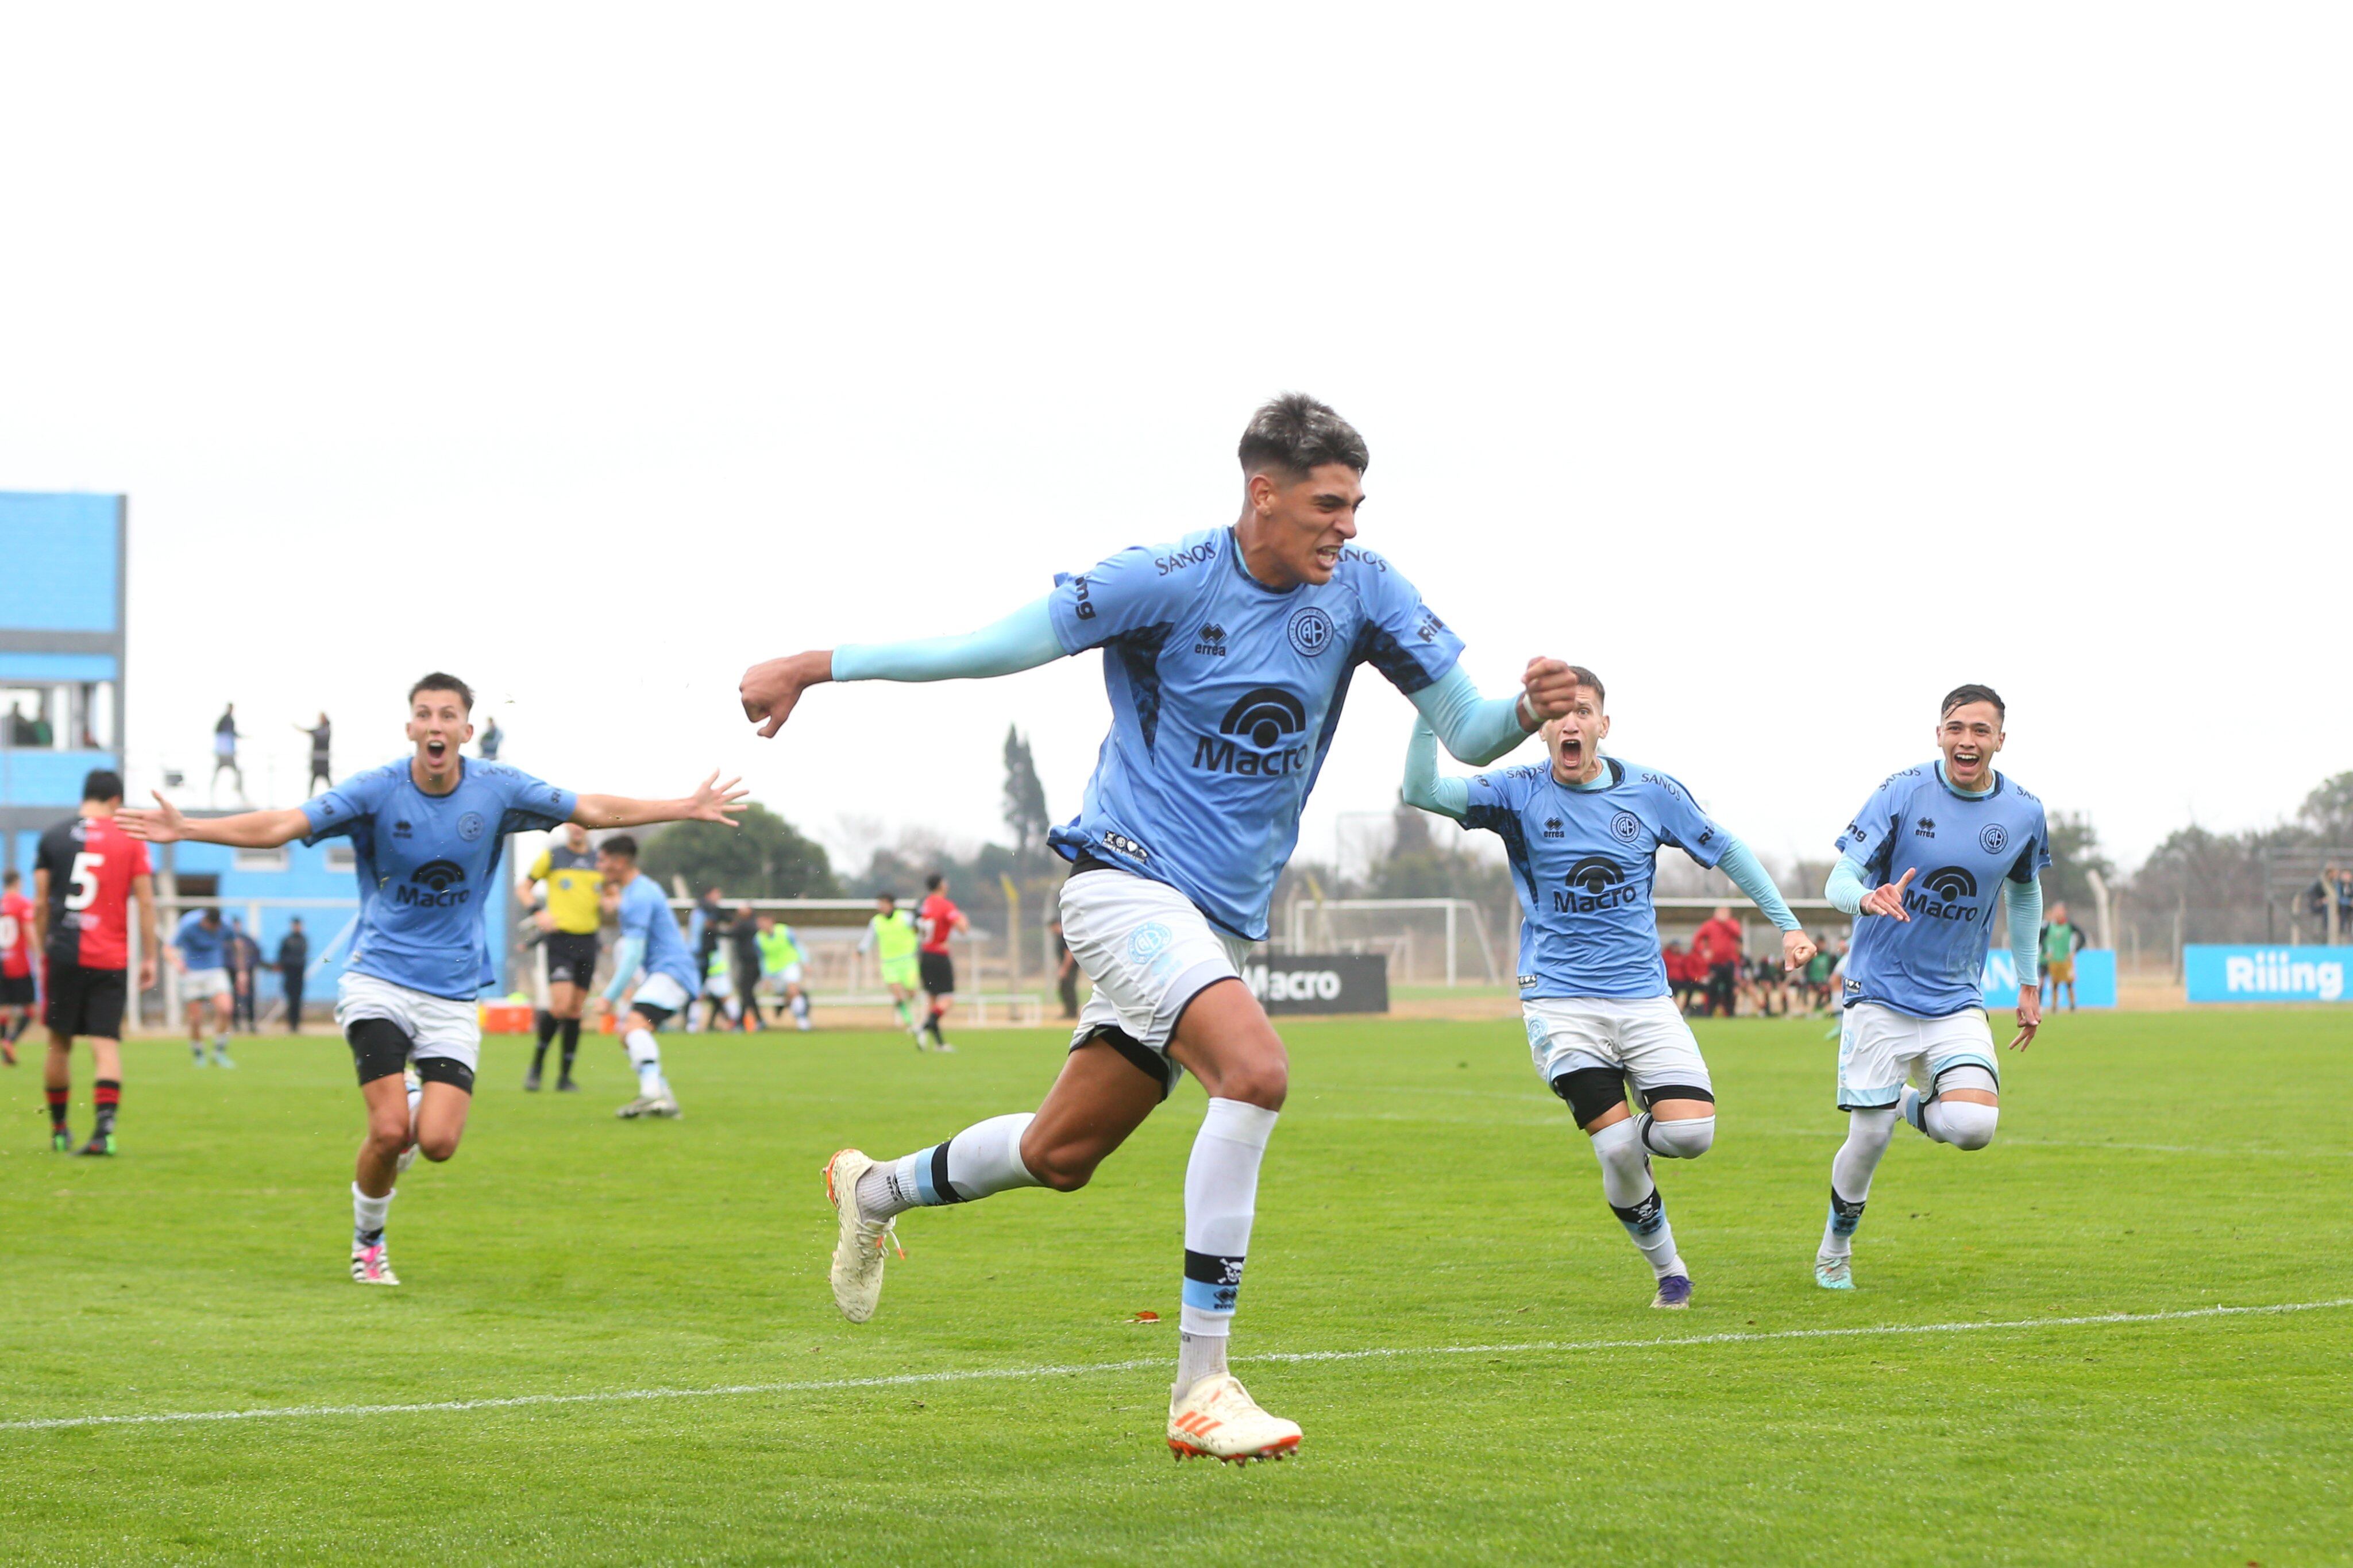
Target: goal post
1426,941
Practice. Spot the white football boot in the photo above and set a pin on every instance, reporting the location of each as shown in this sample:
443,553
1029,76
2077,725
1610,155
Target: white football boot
373,1266
861,1245
1218,1419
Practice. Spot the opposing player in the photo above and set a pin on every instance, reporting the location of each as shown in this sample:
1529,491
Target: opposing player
652,947
784,965
1583,834
18,993
1227,654
892,939
574,888
200,969
426,832
86,874
937,919
1914,991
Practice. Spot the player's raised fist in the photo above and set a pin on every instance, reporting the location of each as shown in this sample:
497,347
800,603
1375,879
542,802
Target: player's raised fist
769,691
1887,899
165,824
1797,950
1548,689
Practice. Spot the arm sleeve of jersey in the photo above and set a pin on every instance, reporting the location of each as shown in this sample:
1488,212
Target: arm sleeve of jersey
866,942
2025,920
1476,729
533,805
1123,594
1748,873
1022,640
1846,887
1424,786
180,927
1870,839
627,959
1683,824
339,810
1402,638
1491,800
2035,858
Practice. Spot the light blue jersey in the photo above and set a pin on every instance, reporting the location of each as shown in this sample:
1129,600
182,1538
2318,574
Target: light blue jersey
1224,697
645,916
1583,862
428,865
1963,847
200,947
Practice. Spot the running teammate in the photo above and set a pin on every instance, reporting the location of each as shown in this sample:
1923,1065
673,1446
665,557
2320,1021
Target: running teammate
937,919
200,970
892,939
573,910
1914,987
1583,836
652,947
17,992
784,963
1226,655
85,875
426,833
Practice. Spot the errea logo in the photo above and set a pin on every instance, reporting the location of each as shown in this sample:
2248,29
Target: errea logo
1211,643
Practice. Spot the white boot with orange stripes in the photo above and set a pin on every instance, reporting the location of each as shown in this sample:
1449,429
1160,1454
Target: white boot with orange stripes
1217,1419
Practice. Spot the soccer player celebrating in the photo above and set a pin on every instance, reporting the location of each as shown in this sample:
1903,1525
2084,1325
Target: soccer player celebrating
938,918
650,945
567,870
17,993
200,969
85,874
426,832
892,939
1583,834
1227,654
1914,998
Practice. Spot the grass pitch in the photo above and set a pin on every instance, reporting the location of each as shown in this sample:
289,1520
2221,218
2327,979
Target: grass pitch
1425,1200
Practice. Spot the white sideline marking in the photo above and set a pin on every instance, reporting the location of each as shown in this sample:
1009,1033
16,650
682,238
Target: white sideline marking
903,1379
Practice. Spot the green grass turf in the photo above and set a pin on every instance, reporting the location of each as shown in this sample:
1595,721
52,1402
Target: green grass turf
1423,1193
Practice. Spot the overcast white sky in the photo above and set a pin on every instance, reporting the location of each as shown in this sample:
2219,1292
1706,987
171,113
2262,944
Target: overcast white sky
1788,365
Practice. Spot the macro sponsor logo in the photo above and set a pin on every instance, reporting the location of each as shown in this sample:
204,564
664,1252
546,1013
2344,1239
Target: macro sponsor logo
1946,893
1259,722
436,885
1291,984
1211,643
1165,564
1594,884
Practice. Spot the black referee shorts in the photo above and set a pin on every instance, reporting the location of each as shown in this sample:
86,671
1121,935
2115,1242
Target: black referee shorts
938,971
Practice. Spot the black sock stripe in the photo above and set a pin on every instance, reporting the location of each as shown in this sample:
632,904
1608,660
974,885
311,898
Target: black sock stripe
1209,1268
948,1195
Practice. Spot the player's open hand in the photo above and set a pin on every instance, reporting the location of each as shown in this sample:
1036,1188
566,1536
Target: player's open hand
716,802
770,690
1797,950
1887,899
2030,1016
1547,688
165,824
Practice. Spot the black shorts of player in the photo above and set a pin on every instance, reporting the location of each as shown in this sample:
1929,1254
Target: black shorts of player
380,1048
938,971
85,1001
655,1018
17,991
571,958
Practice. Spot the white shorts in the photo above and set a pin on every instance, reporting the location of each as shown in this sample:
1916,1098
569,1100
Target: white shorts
435,1025
1879,1047
790,975
660,991
719,986
198,983
1643,1038
1148,951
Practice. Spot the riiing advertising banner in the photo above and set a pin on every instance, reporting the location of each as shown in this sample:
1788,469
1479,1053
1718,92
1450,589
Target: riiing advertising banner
2217,973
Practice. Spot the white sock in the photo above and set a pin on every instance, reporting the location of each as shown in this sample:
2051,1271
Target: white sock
1198,1356
1220,1200
983,1158
368,1216
1867,1133
645,1056
800,1007
1633,1196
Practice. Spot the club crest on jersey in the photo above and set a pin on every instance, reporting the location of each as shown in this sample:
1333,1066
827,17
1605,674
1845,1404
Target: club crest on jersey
1993,839
470,827
1594,884
1263,717
1625,827
1311,631
1946,893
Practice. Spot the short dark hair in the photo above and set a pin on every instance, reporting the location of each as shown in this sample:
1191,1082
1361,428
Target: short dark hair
1584,676
932,883
1298,435
209,912
620,843
102,784
442,680
294,920
1962,695
10,877
891,898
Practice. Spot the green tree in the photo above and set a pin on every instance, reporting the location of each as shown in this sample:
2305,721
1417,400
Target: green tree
762,856
1025,800
2328,810
2075,853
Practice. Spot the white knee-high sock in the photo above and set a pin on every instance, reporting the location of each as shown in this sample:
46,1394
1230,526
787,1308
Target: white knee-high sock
645,1056
983,1158
1633,1196
368,1216
1867,1133
1220,1201
1963,1123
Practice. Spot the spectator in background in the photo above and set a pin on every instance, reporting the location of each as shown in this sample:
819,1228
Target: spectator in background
293,958
1066,971
491,738
2344,905
2061,939
244,955
20,734
1679,975
1818,975
1717,947
744,948
224,739
322,746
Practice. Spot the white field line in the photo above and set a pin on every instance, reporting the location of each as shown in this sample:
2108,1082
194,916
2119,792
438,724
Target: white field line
1005,1374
